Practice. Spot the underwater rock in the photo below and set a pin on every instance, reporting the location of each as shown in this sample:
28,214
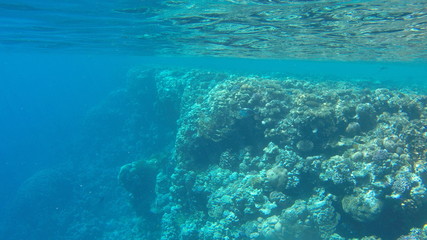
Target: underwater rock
390,144
39,205
305,145
139,179
243,103
380,155
353,128
44,192
366,115
279,198
312,219
357,156
416,234
271,228
364,206
400,186
277,177
338,170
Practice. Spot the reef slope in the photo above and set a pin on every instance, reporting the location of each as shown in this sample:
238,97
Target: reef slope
255,157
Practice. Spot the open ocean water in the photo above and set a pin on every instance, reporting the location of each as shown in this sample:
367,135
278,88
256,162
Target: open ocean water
228,119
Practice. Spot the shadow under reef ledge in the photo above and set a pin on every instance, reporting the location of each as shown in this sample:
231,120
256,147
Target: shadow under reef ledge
270,158
391,224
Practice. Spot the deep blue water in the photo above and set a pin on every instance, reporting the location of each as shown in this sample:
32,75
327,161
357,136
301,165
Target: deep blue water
59,60
43,100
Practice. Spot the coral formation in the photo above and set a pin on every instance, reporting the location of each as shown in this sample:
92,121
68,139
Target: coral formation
41,203
264,158
139,179
362,206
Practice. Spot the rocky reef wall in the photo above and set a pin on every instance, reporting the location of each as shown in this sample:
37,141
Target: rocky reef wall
281,158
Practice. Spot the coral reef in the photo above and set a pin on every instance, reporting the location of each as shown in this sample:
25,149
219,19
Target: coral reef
263,158
208,155
362,206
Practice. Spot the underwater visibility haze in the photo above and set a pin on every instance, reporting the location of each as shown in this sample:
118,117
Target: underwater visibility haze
228,119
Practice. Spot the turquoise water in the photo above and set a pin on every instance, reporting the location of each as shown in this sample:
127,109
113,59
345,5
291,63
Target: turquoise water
230,119
333,30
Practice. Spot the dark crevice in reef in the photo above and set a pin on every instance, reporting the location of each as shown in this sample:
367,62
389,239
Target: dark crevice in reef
205,153
245,133
391,224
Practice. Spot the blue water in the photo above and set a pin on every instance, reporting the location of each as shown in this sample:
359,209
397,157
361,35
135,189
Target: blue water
63,65
43,100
